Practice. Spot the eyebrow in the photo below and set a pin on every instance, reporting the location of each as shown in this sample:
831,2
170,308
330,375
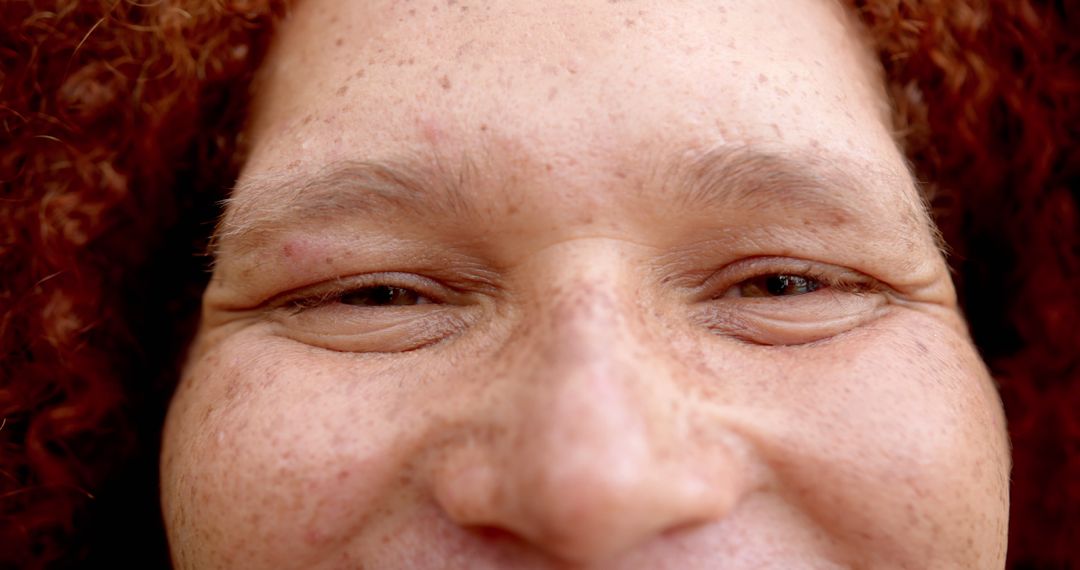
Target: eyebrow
822,186
264,205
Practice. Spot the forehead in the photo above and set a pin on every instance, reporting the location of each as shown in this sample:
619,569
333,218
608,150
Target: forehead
563,81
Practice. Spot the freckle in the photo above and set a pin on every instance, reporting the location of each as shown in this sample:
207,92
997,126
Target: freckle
761,78
328,259
412,11
359,73
444,82
629,23
483,127
412,60
548,167
307,119
339,42
342,90
512,209
552,93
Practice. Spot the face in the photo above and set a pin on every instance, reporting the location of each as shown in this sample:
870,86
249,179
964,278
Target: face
569,284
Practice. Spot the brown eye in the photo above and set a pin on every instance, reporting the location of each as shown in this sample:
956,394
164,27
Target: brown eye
383,296
778,285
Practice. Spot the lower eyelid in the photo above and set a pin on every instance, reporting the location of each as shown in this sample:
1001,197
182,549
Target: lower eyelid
399,329
790,321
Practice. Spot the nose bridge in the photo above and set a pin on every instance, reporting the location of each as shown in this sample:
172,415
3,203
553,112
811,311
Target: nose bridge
582,462
584,414
586,388
592,462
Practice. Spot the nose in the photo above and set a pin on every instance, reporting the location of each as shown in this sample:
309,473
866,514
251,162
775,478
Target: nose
596,455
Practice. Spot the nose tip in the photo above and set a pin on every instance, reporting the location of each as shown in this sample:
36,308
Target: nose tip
588,516
590,468
587,509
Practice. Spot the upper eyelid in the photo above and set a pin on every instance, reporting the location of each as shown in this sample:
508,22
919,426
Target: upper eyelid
744,269
325,292
733,274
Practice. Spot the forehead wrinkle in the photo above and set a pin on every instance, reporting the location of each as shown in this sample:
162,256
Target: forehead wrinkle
268,203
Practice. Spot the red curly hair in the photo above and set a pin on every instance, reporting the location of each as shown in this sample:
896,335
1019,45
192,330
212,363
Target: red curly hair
119,128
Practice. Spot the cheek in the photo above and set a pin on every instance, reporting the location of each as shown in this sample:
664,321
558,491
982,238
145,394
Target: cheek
280,451
891,440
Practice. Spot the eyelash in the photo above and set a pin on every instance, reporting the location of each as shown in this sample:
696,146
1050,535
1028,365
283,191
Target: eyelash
335,291
842,280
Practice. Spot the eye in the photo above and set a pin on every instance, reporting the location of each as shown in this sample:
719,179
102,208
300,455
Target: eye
777,285
383,296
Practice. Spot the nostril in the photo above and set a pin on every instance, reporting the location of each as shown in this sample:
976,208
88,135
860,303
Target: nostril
499,539
495,534
686,527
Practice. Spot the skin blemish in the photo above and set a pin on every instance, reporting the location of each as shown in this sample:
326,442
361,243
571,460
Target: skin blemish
429,130
762,78
342,90
444,82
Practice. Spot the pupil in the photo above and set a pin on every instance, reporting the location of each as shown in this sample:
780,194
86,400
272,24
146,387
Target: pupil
383,295
777,284
380,296
781,285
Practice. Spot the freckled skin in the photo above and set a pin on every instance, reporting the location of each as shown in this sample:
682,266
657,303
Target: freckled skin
588,409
